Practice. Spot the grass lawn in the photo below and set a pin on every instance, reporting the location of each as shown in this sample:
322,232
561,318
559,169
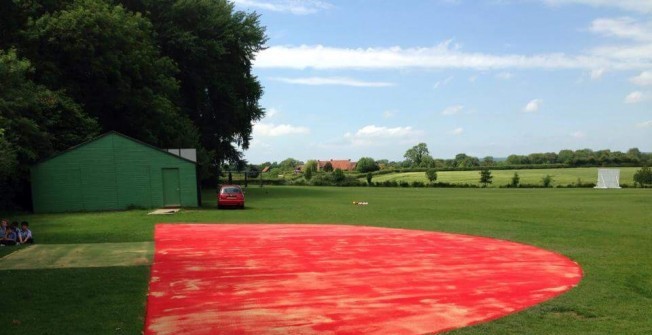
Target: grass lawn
607,231
504,177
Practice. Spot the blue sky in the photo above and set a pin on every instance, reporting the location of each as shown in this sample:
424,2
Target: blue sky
346,79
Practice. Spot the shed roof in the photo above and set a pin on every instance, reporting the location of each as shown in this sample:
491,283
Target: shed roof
112,132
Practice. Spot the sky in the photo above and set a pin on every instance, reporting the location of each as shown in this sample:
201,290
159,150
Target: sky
372,78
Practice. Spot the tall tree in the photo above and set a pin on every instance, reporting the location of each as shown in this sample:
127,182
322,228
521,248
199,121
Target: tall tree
214,47
35,122
414,156
106,58
485,177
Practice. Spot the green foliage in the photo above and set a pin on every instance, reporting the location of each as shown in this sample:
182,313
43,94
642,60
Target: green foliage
546,181
310,165
307,174
289,164
485,177
366,164
328,167
516,180
369,177
414,156
338,176
643,177
431,174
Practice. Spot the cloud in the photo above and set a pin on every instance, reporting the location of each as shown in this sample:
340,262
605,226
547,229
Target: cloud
442,83
452,110
442,56
271,112
457,131
375,135
597,73
339,81
642,6
504,76
273,130
297,7
645,124
533,106
643,79
389,114
578,134
634,97
623,27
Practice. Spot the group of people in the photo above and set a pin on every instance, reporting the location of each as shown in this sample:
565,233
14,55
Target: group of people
15,235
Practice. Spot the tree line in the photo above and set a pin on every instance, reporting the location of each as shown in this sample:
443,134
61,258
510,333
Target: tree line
172,73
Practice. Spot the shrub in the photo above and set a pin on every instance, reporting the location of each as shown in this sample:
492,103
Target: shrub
366,164
431,174
546,181
418,184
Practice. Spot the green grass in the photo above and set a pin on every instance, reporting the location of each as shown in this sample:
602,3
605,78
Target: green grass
503,177
607,231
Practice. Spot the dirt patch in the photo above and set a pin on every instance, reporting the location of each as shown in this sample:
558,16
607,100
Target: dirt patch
56,256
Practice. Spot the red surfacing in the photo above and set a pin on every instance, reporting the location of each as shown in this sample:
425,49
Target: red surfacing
326,279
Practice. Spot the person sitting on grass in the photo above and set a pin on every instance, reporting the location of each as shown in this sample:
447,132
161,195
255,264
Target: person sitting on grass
9,238
25,235
3,227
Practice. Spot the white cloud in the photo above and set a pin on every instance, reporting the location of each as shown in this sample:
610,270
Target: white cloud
375,135
578,134
298,7
273,130
339,81
623,27
444,55
643,79
533,106
643,6
504,76
452,110
634,97
645,124
443,83
457,131
389,114
271,112
597,73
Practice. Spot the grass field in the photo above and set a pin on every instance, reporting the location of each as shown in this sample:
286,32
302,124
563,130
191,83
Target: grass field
503,177
607,231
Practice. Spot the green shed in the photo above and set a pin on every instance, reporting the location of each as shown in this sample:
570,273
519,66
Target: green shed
113,172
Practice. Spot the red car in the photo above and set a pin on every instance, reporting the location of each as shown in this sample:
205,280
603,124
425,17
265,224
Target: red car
231,196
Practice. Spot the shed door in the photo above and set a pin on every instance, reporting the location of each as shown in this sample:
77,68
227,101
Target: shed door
171,189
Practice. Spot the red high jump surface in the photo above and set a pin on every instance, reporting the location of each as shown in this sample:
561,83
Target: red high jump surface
328,279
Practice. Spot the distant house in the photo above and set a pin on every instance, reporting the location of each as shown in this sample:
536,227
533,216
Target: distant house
344,165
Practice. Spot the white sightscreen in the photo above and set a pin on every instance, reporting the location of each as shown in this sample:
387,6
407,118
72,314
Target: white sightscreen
608,178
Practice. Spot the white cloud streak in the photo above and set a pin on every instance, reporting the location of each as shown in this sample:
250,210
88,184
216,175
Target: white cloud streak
457,131
297,7
533,106
452,110
624,28
641,6
377,135
273,130
634,97
578,134
337,81
643,79
645,124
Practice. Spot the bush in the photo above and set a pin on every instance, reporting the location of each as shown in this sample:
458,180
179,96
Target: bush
546,181
418,184
366,164
431,174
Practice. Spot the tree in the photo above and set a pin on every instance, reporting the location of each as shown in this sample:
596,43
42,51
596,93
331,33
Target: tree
547,180
289,164
310,165
488,161
214,47
427,162
366,164
107,60
485,177
415,155
328,167
338,175
431,174
307,174
643,176
35,122
369,177
516,180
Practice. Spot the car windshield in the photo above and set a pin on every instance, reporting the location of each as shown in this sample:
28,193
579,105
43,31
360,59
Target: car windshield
230,190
